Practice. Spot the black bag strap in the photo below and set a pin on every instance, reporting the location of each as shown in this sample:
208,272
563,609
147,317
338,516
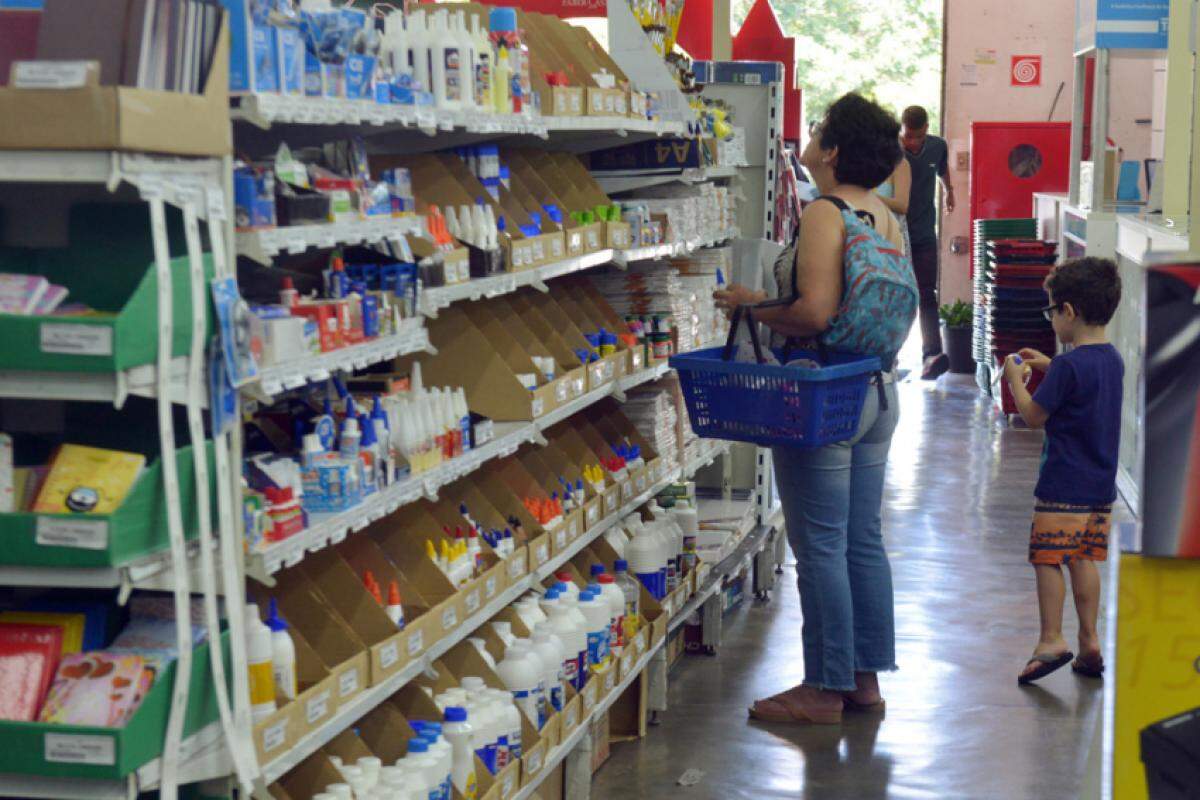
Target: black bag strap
865,216
740,313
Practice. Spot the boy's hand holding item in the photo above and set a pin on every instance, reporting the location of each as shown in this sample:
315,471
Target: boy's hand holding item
1016,370
1034,358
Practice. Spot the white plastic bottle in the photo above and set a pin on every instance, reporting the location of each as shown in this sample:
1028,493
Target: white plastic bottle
617,539
510,722
464,416
595,611
484,59
633,599
419,41
503,629
425,768
459,733
467,60
550,650
567,585
530,612
643,559
521,675
440,749
612,594
549,601
259,649
563,627
283,653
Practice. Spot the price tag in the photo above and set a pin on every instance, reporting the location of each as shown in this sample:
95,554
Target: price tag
626,663
543,553
534,762
348,683
389,654
506,788
489,587
574,528
609,681
81,534
627,488
538,406
571,717
556,247
79,340
317,707
641,482
61,748
473,601
49,74
593,237
560,538
416,643
560,391
449,618
274,736
539,249
593,515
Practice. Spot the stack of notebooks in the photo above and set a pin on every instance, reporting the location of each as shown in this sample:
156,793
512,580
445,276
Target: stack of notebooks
148,44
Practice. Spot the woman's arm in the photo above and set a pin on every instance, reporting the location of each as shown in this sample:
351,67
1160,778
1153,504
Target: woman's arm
901,186
818,275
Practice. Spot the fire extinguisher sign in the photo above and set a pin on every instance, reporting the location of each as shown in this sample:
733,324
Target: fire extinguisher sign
1026,71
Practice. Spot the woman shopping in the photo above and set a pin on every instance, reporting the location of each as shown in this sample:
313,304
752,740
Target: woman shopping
832,495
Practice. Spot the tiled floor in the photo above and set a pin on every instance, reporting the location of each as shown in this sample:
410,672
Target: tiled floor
956,514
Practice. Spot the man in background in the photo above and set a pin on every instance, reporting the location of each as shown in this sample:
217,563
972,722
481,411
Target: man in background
928,156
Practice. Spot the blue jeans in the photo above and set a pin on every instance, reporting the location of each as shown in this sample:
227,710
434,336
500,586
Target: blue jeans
832,502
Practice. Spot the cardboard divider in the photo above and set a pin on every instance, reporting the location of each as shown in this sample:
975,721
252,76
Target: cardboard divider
490,578
568,436
529,532
311,776
485,511
344,591
504,341
383,729
567,363
402,538
624,486
348,747
316,700
511,321
363,553
467,358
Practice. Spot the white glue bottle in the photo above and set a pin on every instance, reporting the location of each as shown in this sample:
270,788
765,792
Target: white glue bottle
520,675
459,733
283,653
425,768
419,46
259,648
612,594
595,611
510,722
642,554
550,650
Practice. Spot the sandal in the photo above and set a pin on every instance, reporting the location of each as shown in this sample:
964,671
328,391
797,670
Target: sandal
1089,666
776,709
1047,663
850,704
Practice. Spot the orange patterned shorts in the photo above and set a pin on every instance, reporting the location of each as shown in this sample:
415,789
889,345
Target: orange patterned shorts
1062,533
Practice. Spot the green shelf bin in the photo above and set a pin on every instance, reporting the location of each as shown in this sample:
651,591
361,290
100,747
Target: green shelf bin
135,530
108,264
115,752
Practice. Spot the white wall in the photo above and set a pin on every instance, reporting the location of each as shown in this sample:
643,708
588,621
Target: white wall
977,91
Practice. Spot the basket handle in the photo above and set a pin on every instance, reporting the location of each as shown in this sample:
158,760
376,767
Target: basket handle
739,313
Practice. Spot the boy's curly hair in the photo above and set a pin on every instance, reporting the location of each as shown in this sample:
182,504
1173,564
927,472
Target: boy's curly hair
1091,285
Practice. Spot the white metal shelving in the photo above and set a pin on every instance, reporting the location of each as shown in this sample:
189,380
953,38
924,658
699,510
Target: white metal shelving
263,245
617,181
436,298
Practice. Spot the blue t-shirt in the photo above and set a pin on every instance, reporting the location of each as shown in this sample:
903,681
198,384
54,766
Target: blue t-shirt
1082,394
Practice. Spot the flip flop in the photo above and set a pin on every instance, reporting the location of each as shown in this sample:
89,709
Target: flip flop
864,708
1048,662
791,714
1091,666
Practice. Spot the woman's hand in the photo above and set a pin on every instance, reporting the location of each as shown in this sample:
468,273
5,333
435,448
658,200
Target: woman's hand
735,295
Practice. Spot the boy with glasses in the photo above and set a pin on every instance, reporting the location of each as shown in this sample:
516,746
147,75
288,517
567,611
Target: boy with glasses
1079,404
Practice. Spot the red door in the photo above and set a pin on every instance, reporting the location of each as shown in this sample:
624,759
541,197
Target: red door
1012,160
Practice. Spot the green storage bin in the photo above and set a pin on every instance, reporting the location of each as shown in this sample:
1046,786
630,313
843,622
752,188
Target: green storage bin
24,746
136,529
109,266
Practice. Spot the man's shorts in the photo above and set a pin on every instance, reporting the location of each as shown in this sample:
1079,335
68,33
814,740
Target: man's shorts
1062,533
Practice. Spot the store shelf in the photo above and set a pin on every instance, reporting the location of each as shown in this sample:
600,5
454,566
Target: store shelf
368,700
617,181
202,757
751,544
263,245
413,337
708,456
174,178
329,529
437,298
97,387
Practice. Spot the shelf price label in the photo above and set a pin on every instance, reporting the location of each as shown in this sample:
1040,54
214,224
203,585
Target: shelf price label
61,748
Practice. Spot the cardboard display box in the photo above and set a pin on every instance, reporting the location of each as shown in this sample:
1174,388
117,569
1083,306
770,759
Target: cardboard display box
122,117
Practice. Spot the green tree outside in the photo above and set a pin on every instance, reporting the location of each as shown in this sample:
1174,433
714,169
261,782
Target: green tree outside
888,50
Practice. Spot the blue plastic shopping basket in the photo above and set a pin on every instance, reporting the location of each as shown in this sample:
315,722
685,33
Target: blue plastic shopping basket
772,405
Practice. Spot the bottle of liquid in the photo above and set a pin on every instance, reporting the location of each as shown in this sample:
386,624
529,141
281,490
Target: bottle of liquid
611,594
259,649
595,612
484,55
643,554
502,100
464,417
283,653
566,585
350,439
425,768
508,718
633,599
459,733
574,640
469,60
440,749
617,539
394,609
503,630
534,706
549,601
549,649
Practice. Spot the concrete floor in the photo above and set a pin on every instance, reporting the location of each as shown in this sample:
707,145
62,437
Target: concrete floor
956,516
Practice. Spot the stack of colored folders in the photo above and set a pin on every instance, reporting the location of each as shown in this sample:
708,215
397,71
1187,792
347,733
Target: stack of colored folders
987,231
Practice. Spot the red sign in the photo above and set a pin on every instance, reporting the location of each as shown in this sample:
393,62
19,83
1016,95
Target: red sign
1026,71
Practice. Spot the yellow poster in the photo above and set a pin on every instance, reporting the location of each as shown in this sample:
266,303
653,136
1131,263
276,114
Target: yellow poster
1157,674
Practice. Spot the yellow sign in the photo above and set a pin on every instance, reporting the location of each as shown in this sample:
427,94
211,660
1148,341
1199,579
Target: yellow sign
1158,658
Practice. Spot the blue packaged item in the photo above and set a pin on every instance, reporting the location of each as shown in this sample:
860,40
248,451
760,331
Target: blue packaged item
370,315
253,198
266,58
291,60
334,78
360,77
383,92
314,76
240,61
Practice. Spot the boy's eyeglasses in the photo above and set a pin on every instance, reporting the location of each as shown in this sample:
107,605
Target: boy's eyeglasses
1048,311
